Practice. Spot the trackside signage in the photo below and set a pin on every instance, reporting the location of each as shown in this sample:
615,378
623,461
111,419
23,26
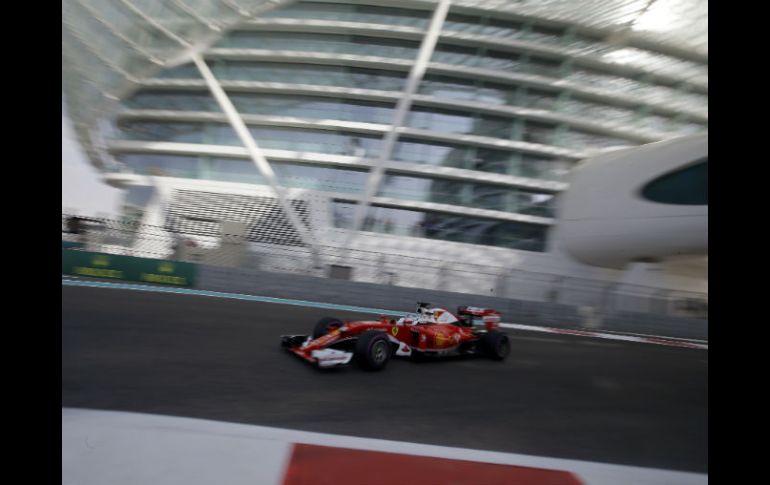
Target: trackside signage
129,268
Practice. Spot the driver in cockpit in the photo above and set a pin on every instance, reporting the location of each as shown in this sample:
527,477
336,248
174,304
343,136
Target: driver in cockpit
426,312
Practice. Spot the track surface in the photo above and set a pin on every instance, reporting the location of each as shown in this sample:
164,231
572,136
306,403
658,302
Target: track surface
558,396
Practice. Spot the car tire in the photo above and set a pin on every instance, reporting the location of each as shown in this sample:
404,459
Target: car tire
326,325
372,350
495,345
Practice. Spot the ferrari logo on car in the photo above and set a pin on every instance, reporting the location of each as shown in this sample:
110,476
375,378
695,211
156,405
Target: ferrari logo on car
394,331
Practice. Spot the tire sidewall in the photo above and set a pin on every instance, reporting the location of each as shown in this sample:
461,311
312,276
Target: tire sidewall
367,346
496,345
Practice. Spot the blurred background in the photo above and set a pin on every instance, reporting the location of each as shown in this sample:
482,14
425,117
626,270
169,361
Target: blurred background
358,144
545,158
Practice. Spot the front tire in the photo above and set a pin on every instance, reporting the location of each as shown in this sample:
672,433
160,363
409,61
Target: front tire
372,350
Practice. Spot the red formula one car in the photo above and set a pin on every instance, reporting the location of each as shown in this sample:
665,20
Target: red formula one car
428,332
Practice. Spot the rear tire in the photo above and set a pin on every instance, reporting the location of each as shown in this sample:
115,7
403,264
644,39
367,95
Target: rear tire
495,345
372,350
326,325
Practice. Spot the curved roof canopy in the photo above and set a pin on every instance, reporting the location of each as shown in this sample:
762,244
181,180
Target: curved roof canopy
110,46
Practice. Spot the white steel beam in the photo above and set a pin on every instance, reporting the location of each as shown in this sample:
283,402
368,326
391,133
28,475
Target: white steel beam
256,155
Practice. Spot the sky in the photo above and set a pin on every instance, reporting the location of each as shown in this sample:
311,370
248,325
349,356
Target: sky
81,188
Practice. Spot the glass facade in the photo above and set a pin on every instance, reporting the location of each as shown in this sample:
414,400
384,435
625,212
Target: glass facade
295,139
268,104
299,73
467,194
549,94
433,225
353,13
321,43
326,179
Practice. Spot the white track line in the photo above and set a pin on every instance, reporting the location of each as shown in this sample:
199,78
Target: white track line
667,341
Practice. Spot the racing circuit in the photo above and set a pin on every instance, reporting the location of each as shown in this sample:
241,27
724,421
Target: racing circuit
559,396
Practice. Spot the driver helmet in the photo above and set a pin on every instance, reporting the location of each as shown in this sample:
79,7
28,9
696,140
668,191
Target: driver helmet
422,307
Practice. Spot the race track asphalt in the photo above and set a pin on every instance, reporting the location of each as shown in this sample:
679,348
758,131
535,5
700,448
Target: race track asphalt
559,396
